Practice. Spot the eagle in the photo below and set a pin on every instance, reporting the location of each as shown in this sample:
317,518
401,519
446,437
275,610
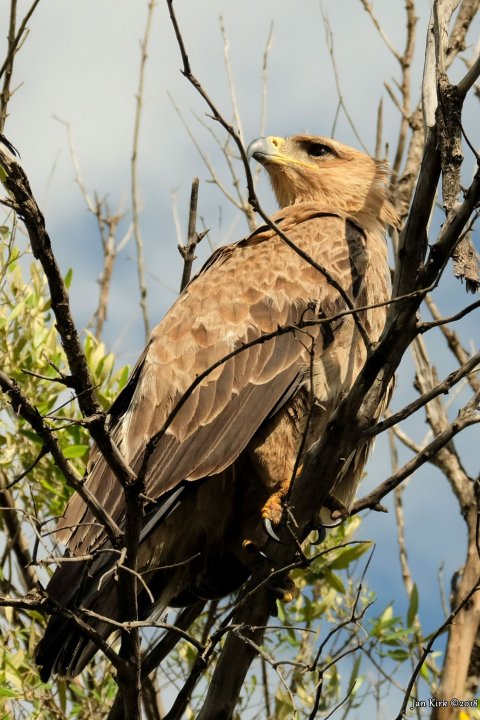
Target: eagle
236,384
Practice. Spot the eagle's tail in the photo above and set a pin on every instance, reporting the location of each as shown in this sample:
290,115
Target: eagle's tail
66,648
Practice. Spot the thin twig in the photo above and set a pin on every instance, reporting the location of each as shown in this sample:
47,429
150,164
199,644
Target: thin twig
452,341
134,184
331,52
466,417
264,96
14,39
428,647
415,405
24,407
187,251
369,9
17,539
231,84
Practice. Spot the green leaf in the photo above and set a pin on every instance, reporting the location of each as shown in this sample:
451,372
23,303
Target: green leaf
387,618
19,307
4,231
62,694
75,451
355,681
399,655
308,611
31,436
349,555
281,613
68,278
413,605
334,581
6,692
385,621
424,672
123,377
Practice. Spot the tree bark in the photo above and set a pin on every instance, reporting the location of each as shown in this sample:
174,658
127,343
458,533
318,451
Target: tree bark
463,633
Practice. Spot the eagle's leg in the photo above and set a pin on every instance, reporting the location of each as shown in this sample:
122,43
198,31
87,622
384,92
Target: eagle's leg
274,456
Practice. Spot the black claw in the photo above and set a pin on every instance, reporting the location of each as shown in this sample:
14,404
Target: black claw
322,530
337,523
321,535
268,527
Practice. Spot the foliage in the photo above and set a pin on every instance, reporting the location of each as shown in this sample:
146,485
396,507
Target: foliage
31,354
332,647
326,592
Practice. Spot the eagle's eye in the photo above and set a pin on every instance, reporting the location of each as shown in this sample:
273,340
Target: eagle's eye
318,150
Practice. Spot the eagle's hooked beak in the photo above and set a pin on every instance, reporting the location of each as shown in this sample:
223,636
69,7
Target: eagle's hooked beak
266,149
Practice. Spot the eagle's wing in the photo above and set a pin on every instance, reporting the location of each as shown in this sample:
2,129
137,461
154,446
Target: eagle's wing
244,291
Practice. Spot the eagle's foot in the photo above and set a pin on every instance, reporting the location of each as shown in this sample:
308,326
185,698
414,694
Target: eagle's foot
286,591
338,511
338,514
272,513
252,548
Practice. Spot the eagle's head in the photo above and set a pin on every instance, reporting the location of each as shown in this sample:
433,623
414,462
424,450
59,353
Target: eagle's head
310,168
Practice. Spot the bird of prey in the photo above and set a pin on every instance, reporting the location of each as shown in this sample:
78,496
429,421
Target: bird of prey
222,467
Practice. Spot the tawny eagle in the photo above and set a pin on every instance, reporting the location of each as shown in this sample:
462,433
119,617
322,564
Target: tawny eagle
219,474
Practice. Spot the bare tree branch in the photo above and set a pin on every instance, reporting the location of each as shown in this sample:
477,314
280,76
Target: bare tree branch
367,6
14,39
22,406
188,251
80,380
134,189
466,417
365,395
415,405
17,538
341,101
453,342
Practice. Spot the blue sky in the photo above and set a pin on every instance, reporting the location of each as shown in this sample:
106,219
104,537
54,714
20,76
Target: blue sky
80,64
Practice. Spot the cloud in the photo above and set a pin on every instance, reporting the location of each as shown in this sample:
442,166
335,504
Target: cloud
80,63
